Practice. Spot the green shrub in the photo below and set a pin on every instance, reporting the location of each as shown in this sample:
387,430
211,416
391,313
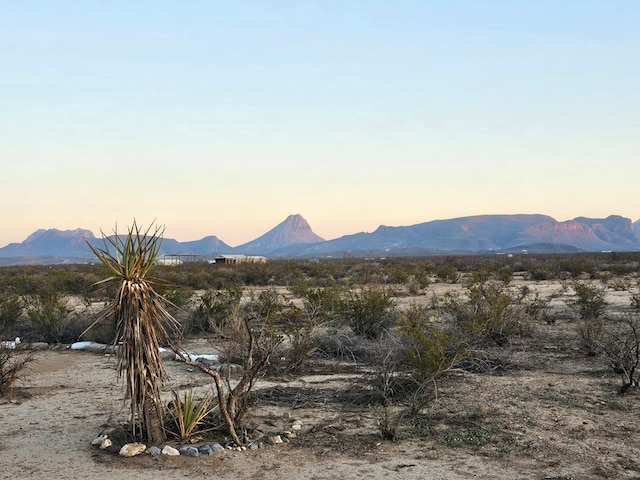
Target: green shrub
369,311
212,308
590,301
505,274
432,351
11,308
489,314
448,273
320,303
301,331
51,314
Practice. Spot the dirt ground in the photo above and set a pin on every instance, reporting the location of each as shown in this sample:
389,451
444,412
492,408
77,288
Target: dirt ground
551,413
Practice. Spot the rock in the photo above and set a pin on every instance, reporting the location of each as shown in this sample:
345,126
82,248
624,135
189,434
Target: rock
254,446
106,443
132,449
274,440
96,348
154,450
89,346
216,447
297,426
169,450
189,451
39,346
98,440
205,450
286,415
167,354
11,344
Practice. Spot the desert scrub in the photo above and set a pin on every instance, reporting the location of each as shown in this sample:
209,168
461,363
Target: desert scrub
212,308
320,303
302,330
369,311
589,304
11,308
51,314
13,362
431,350
448,274
489,314
590,300
619,341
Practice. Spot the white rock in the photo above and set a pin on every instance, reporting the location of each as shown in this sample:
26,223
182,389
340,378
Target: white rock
132,449
11,344
169,450
98,440
79,345
194,357
106,443
296,426
276,439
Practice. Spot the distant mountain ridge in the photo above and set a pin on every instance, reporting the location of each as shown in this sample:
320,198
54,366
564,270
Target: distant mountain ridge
294,238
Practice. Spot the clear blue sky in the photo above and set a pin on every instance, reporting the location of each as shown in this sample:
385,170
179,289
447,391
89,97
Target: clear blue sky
223,117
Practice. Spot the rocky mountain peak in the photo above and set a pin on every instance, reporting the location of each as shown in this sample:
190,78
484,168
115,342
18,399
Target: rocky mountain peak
293,230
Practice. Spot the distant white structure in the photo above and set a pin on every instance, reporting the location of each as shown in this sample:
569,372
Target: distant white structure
180,258
239,258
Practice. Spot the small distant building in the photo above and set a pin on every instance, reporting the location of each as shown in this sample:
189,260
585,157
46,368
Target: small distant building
180,258
239,258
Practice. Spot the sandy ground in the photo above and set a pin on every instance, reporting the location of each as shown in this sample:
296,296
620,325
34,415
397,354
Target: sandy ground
71,394
552,414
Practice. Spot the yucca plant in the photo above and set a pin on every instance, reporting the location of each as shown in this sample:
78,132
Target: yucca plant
142,324
188,412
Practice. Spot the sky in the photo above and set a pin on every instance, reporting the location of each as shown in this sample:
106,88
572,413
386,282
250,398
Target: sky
224,117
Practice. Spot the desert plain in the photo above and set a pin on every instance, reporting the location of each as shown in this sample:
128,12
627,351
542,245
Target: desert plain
550,412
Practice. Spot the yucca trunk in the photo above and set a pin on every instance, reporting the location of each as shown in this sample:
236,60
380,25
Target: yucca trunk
137,329
154,423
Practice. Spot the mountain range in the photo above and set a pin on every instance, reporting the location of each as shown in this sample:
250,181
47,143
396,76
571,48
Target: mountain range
294,238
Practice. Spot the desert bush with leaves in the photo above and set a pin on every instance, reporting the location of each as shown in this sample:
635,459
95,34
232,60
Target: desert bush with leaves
321,303
448,273
369,311
590,301
431,350
301,330
212,308
11,307
589,304
51,314
489,314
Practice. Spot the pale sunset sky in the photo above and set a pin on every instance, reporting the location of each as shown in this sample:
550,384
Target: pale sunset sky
223,117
